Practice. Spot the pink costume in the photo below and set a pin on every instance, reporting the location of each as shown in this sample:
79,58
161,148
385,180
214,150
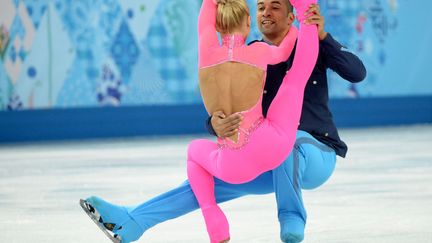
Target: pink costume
263,143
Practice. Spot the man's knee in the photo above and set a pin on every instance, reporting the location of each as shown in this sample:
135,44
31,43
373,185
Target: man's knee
318,172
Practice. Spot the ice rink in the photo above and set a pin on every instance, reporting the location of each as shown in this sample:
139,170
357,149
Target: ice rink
382,191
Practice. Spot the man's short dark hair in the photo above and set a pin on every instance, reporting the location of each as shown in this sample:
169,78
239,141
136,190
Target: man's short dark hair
289,6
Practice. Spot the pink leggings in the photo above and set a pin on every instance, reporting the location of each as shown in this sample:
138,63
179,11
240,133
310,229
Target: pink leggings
268,145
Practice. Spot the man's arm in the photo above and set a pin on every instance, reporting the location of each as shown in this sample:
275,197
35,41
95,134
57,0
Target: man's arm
337,57
342,61
209,126
221,126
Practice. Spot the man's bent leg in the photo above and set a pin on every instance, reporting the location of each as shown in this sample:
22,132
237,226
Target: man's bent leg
309,165
320,161
287,180
181,200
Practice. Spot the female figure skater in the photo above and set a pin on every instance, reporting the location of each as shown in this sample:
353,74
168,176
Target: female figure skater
232,77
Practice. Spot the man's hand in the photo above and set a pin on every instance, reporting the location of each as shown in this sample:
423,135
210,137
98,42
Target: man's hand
225,126
315,17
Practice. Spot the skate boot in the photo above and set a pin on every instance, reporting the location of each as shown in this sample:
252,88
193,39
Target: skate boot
113,220
292,230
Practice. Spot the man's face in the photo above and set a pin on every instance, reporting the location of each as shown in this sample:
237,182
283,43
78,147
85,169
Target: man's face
273,18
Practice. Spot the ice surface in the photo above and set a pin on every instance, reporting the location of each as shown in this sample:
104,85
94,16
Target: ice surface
380,193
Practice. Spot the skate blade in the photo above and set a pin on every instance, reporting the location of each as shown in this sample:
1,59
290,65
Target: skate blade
95,218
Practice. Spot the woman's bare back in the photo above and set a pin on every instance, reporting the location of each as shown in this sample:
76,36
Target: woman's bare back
231,87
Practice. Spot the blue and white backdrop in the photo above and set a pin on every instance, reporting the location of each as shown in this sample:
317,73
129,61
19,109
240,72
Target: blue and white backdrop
68,54
121,53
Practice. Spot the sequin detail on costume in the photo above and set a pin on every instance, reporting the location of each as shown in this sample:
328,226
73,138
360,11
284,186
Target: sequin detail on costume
247,133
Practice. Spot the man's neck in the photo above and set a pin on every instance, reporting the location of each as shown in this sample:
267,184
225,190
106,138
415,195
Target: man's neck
276,40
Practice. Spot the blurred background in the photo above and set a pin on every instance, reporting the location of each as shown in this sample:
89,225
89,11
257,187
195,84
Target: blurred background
111,68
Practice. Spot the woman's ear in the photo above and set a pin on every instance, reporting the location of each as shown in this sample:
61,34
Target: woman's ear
249,21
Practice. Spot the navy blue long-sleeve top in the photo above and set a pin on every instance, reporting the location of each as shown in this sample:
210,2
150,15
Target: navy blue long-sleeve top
316,118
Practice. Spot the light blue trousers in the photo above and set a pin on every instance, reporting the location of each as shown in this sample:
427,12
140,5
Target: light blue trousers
309,165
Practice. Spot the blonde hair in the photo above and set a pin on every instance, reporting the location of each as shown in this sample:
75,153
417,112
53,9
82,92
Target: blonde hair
230,15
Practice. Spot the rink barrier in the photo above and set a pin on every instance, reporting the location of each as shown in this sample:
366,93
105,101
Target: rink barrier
135,121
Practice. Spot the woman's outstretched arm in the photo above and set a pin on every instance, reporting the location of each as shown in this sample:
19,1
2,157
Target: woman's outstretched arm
207,37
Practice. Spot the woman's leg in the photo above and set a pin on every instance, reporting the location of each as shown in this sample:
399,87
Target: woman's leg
285,109
201,160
